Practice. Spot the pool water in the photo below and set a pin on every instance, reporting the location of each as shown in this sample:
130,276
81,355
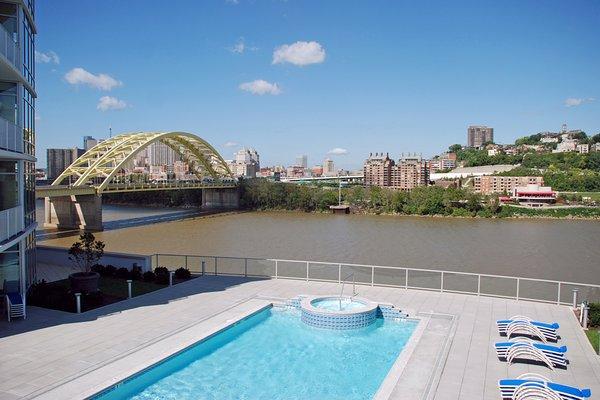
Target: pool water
332,304
273,355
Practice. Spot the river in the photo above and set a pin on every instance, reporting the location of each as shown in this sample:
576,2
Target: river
567,250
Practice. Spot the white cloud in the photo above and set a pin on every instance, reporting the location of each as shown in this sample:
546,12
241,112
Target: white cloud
110,103
240,47
261,87
575,101
231,144
48,57
338,151
79,76
235,2
299,53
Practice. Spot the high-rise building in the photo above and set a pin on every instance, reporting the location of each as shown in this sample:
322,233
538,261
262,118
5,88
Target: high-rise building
410,171
161,154
377,170
477,136
302,161
17,145
89,142
328,167
59,159
246,163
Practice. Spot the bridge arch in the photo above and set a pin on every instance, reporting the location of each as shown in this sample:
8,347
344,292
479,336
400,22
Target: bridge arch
109,157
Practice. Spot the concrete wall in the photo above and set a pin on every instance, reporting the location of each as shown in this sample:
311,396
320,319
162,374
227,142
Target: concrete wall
220,198
59,256
74,212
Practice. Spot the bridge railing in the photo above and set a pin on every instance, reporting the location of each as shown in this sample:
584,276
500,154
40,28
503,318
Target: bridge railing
510,287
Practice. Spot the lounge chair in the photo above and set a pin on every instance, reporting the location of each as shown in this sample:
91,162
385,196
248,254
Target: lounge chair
521,325
15,305
534,384
552,356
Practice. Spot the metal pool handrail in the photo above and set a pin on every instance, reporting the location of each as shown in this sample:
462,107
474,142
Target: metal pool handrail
353,287
440,276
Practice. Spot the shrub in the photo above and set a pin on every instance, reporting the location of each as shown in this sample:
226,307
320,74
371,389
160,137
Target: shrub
594,314
135,273
122,273
99,268
183,273
110,270
149,276
162,275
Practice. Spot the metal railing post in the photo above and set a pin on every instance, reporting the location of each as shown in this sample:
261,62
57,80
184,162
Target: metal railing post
203,267
339,273
276,276
129,288
307,267
372,276
442,282
186,262
558,295
406,278
78,302
246,267
478,285
575,291
171,278
216,273
518,287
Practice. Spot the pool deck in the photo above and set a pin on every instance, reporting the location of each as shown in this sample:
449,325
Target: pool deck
56,355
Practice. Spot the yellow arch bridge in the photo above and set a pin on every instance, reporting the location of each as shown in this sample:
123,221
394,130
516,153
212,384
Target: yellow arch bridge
74,200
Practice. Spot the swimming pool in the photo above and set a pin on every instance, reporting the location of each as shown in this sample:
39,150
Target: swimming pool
273,355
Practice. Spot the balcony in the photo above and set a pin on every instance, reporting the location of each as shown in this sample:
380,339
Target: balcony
11,223
9,48
11,136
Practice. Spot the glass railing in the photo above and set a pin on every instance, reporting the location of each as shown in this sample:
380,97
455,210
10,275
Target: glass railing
8,47
11,136
511,287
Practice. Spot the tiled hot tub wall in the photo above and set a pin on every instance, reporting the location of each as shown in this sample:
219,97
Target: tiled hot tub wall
343,321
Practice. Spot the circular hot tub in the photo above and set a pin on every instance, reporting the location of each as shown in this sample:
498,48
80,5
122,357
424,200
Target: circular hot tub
333,312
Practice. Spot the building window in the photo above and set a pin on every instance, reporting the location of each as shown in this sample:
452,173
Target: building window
9,187
8,101
8,19
28,122
9,266
28,51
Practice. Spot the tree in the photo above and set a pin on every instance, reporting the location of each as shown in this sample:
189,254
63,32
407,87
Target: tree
455,148
86,252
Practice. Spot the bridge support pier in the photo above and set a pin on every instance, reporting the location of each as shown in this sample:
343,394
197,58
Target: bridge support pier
220,199
74,212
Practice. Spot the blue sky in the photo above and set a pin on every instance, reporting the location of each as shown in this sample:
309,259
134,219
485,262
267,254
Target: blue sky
360,76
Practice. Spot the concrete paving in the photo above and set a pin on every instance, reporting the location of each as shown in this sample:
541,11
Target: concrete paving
56,355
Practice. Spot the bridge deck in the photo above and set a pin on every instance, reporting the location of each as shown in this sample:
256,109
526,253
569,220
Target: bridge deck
69,190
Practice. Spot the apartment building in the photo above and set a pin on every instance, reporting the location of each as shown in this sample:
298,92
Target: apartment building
17,144
489,184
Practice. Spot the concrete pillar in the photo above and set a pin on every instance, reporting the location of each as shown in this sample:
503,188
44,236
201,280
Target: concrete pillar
220,199
74,212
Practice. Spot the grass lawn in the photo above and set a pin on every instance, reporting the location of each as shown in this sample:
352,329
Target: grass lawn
595,196
594,337
115,287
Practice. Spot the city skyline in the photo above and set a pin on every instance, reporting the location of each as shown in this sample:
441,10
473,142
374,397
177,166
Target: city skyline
314,83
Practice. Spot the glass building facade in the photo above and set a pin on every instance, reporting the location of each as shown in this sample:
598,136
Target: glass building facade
17,143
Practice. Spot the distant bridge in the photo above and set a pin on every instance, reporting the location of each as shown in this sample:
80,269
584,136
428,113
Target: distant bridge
343,178
78,204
